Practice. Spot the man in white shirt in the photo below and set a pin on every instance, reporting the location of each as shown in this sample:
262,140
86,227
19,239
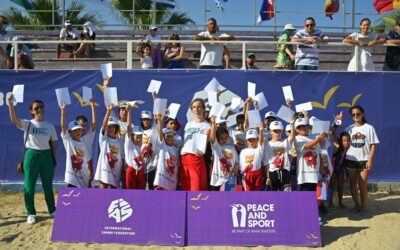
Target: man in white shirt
67,33
212,54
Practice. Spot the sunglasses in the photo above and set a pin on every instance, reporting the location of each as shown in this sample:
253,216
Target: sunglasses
271,118
37,108
310,25
356,114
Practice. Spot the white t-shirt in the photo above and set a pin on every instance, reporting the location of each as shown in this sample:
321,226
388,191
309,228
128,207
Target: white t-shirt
156,37
39,134
109,164
76,164
167,167
307,161
278,157
225,158
123,126
190,129
64,33
133,156
146,62
88,139
211,54
239,138
178,142
150,147
361,139
251,159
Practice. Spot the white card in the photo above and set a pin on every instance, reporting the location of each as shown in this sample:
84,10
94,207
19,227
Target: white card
134,103
235,104
110,96
287,93
86,94
173,110
285,114
320,126
199,142
63,96
216,110
307,106
251,89
254,118
213,85
106,70
18,93
154,86
261,101
212,98
160,105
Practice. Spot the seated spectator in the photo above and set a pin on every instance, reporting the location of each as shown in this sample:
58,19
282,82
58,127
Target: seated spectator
286,56
392,57
25,59
67,33
5,60
364,40
156,47
87,34
144,51
174,54
250,61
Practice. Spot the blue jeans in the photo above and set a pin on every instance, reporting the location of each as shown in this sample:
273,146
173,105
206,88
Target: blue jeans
306,67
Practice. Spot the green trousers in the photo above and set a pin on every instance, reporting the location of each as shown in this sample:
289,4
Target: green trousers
38,162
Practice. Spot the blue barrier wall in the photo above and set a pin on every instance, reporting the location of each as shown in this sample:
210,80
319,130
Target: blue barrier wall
331,93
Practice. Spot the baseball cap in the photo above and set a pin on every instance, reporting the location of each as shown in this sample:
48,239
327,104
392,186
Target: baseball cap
168,131
74,125
112,121
288,128
270,114
312,119
67,23
300,122
137,130
276,125
146,115
289,26
220,120
122,105
153,27
251,55
251,134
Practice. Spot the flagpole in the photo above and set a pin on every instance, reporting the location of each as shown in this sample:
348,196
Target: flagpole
255,12
63,13
52,13
154,13
133,14
353,16
274,2
205,11
344,2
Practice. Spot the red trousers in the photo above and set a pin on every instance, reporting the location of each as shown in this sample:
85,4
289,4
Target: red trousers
193,175
135,179
253,180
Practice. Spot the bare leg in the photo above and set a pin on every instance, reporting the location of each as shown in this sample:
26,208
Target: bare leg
58,50
353,175
103,185
81,48
362,182
227,57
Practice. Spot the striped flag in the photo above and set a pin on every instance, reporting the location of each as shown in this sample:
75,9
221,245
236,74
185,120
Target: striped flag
266,11
23,3
386,5
331,6
166,3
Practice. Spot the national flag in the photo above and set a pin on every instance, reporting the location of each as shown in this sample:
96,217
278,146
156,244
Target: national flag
165,3
23,3
331,6
386,5
266,11
219,4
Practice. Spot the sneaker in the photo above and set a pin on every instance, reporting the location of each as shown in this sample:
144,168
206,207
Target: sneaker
31,219
52,214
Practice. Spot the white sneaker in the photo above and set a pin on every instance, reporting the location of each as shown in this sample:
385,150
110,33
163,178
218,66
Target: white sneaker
31,219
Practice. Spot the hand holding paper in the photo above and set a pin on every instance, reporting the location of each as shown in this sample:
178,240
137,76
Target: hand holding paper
285,114
63,96
261,101
213,85
110,96
173,110
86,94
254,118
159,107
235,104
106,70
154,86
307,106
287,93
216,110
251,89
18,93
320,127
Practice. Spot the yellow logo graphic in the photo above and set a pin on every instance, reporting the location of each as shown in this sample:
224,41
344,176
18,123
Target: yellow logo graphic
329,95
353,102
101,87
227,153
80,99
249,159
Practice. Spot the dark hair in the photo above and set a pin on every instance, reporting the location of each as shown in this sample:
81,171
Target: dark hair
343,134
145,45
364,120
198,100
212,19
240,116
310,18
365,19
33,102
221,131
175,37
81,117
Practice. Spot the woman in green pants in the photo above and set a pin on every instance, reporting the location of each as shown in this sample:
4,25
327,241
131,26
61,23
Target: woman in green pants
38,159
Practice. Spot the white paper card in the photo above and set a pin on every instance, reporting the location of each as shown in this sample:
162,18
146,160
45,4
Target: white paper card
212,97
154,86
63,96
235,104
213,85
254,118
287,93
18,93
261,101
134,103
173,109
285,114
307,106
110,96
199,142
106,70
86,94
216,110
160,105
320,126
251,89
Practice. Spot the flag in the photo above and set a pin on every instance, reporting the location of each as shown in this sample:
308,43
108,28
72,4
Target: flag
331,6
386,5
165,3
266,11
23,3
219,4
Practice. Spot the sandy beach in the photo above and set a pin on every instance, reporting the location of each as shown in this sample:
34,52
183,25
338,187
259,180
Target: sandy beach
378,228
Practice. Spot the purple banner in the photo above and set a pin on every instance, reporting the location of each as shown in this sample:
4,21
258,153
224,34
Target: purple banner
120,216
252,219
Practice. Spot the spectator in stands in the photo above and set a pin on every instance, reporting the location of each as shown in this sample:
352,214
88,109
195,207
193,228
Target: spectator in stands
67,33
363,40
174,54
156,47
212,54
5,60
25,59
392,58
87,34
307,55
250,61
286,56
144,51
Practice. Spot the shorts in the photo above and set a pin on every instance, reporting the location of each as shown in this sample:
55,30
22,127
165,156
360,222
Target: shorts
280,179
339,170
356,165
253,180
308,187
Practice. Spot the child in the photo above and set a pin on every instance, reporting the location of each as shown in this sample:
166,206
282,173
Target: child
110,162
239,134
134,176
88,131
292,159
168,158
156,47
278,167
78,165
144,51
174,125
225,163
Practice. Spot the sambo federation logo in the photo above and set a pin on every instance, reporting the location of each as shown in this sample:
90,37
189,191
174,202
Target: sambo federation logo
120,210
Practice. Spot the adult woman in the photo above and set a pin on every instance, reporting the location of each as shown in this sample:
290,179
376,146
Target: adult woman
363,40
38,160
360,156
174,54
87,34
286,56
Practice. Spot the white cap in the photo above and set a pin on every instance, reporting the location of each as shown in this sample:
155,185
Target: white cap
251,134
137,130
220,120
168,131
288,128
146,115
289,26
312,119
276,125
300,122
153,27
74,125
111,121
269,114
67,22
